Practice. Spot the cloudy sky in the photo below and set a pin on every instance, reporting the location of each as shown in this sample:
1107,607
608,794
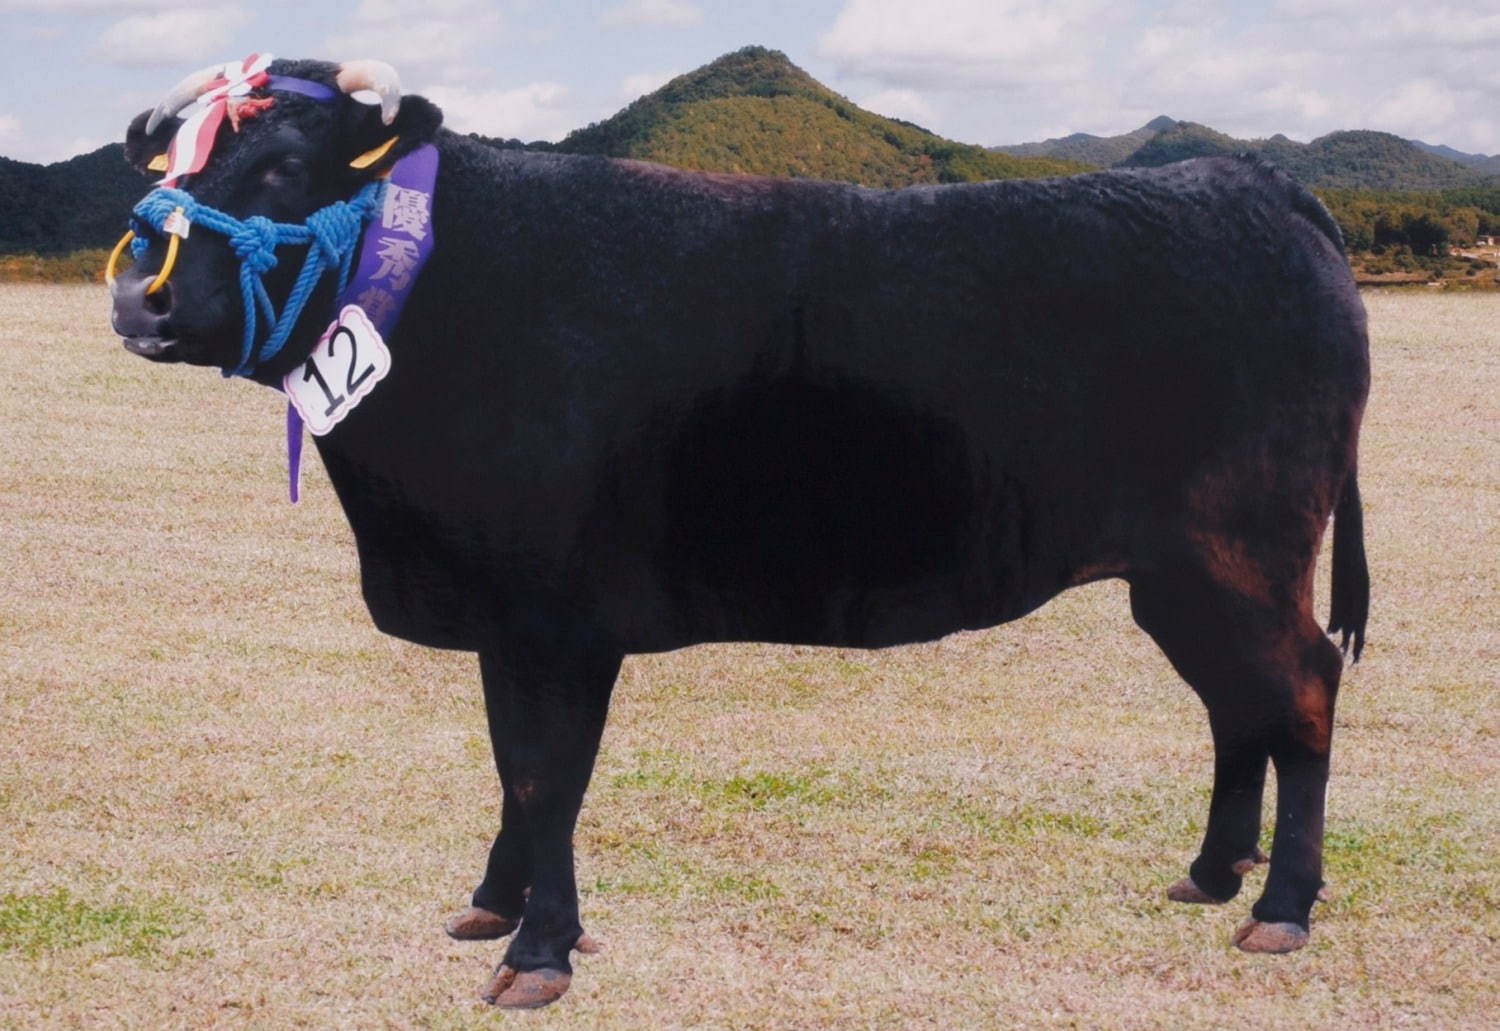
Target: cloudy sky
982,71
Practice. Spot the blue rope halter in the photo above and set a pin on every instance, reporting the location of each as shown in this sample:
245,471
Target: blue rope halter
331,233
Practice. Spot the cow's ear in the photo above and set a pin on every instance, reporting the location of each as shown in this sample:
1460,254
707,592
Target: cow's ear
376,146
149,153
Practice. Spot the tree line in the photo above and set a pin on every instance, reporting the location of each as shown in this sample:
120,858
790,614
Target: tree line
1426,223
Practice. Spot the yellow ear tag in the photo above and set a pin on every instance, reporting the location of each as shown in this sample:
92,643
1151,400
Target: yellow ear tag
369,157
158,163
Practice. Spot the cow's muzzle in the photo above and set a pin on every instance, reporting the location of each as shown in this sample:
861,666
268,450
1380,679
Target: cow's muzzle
144,319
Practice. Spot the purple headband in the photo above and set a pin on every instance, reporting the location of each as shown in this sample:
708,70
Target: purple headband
306,87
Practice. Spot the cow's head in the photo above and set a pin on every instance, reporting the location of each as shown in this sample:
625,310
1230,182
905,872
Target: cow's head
283,159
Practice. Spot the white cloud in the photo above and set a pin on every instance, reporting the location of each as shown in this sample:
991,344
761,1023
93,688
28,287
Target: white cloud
537,111
170,38
898,103
1004,71
970,42
1307,105
1307,69
638,85
437,38
1483,135
41,144
79,6
1417,104
1297,9
1405,22
671,13
83,145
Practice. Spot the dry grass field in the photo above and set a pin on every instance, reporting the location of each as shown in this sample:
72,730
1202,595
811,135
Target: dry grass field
225,800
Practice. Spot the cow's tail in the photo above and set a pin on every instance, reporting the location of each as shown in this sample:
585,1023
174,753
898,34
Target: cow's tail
1350,606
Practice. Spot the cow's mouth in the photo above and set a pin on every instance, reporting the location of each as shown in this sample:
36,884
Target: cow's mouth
158,349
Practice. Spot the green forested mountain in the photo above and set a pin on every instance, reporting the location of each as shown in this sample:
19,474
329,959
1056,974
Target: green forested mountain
81,202
755,111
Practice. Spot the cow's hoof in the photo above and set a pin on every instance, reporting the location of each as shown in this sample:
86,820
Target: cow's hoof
526,989
1187,891
587,945
1249,863
1255,936
475,924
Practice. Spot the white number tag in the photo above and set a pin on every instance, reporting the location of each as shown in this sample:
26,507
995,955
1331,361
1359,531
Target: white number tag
345,366
177,224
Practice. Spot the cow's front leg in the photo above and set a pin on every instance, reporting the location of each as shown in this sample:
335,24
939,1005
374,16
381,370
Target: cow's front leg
546,707
495,909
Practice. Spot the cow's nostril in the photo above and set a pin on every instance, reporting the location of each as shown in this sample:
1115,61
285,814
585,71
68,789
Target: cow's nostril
159,303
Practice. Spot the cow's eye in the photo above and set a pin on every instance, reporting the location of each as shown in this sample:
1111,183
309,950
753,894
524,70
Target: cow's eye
287,171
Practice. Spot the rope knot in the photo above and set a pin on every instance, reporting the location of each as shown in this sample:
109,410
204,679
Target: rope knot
335,229
254,243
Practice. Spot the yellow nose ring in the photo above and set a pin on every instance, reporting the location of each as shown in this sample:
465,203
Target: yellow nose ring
173,240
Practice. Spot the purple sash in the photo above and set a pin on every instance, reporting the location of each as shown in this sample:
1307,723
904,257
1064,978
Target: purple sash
392,252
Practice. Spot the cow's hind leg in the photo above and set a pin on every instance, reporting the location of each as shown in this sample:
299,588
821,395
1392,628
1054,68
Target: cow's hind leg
1268,677
546,706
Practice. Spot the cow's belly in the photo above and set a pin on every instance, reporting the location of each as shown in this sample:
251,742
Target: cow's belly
817,513
791,509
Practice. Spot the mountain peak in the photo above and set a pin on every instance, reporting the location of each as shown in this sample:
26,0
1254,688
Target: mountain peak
1161,123
750,71
755,111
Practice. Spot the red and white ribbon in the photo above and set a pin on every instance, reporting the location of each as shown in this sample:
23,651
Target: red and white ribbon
195,137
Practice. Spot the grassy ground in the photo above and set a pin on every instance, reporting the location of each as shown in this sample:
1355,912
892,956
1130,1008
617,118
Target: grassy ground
225,800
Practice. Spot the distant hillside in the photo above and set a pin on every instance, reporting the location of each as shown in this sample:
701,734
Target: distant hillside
81,202
1356,159
1092,150
1487,164
755,111
1341,160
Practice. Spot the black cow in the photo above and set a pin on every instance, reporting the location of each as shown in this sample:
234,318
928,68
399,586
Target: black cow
634,408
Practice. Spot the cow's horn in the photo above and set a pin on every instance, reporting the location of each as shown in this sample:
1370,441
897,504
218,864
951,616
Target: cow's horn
377,76
183,94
